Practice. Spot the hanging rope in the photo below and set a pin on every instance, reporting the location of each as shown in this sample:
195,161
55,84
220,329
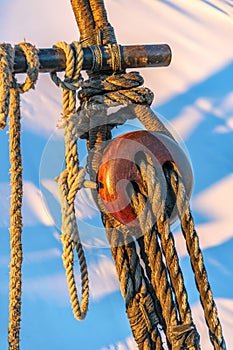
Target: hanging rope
72,179
10,103
197,261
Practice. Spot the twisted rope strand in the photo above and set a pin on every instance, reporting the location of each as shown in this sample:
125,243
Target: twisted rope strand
85,22
150,275
6,69
175,273
155,189
73,79
134,288
15,224
14,90
197,262
159,278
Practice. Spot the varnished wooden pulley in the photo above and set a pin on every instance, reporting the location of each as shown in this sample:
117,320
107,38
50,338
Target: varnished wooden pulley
119,168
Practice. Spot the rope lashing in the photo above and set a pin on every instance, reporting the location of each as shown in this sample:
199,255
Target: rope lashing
10,104
114,59
71,180
97,58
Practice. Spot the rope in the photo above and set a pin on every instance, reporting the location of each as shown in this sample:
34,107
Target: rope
84,19
197,261
177,316
15,224
72,179
6,68
10,103
135,289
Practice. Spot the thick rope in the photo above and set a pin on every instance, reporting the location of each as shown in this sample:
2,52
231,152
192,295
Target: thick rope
135,289
15,224
197,261
85,21
72,179
6,69
159,271
10,103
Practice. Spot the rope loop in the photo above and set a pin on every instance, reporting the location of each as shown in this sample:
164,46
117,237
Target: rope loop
71,239
74,61
31,54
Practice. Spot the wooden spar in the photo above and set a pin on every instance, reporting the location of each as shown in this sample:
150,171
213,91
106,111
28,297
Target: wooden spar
135,56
